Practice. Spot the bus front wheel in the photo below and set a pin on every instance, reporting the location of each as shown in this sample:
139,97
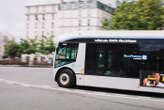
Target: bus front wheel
66,79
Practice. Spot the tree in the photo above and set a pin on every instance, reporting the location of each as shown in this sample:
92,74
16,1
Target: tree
106,23
139,15
28,46
12,49
46,45
42,46
50,45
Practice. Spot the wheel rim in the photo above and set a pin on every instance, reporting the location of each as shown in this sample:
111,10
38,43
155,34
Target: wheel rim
64,79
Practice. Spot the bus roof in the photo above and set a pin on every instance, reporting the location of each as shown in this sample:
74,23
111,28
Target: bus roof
110,34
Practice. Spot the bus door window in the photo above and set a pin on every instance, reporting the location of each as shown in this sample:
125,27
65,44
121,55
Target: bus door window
90,60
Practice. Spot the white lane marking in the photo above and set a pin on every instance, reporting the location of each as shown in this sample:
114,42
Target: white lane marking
83,92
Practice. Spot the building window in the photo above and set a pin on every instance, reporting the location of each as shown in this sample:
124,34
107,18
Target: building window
28,17
36,25
79,22
88,11
53,8
43,9
42,59
37,9
28,9
27,58
88,22
105,7
43,25
43,17
52,25
36,17
53,16
27,25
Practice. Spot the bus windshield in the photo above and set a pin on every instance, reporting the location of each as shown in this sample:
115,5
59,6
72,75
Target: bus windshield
66,53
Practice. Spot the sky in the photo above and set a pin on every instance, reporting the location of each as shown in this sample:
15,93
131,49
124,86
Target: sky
12,16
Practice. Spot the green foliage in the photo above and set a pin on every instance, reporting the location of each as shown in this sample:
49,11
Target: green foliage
139,15
50,45
12,49
42,46
46,45
28,46
105,23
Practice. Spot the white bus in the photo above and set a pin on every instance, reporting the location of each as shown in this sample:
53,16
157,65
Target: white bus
128,60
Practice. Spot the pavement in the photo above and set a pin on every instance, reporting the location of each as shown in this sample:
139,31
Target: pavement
27,88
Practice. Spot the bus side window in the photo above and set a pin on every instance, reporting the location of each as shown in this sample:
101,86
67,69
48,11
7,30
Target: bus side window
73,53
61,53
109,63
100,59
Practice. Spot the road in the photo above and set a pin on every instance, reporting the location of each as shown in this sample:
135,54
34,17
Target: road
24,88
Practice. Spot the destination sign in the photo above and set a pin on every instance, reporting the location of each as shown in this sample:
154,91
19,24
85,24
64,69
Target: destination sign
116,40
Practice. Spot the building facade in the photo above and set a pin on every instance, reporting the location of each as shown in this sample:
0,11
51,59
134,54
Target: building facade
4,40
82,16
65,17
37,58
41,20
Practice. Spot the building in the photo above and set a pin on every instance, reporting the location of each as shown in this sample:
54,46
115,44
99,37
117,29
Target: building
65,17
82,15
4,40
41,20
37,58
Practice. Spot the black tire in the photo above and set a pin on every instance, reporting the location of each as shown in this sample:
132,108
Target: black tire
66,79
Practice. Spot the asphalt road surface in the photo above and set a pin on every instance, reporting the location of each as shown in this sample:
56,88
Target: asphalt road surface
24,88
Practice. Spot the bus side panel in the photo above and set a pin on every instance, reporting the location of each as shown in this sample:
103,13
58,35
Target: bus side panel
110,82
114,83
